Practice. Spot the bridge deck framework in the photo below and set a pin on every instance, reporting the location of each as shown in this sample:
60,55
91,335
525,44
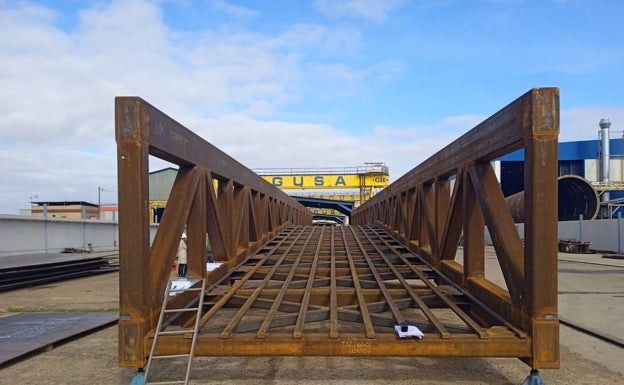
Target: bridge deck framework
334,290
287,288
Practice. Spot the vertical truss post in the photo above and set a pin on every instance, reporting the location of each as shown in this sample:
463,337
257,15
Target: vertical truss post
540,206
197,229
133,187
474,224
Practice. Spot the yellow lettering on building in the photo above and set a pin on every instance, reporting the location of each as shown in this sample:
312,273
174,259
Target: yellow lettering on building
368,179
316,181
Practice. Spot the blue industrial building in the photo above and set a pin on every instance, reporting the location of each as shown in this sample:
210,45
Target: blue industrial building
581,158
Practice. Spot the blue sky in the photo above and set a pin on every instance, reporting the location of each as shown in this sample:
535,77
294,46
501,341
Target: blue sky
288,83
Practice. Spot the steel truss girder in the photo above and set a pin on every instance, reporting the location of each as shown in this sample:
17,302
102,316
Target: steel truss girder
297,290
213,197
420,211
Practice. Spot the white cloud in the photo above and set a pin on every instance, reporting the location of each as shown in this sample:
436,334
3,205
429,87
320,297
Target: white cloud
58,89
57,81
56,108
373,10
405,148
353,80
54,173
334,40
582,123
272,144
233,10
30,28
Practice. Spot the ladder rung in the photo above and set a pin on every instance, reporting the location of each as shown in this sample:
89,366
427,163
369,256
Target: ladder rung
175,332
181,310
172,356
192,332
187,289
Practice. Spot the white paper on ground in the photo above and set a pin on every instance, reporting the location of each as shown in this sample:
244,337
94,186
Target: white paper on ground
412,331
212,266
180,284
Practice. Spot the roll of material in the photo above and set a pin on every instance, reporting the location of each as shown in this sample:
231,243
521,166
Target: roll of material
576,197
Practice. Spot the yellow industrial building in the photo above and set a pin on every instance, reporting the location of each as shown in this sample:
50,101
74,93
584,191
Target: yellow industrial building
356,184
363,181
65,209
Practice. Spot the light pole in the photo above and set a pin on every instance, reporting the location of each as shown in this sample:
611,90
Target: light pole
31,202
100,189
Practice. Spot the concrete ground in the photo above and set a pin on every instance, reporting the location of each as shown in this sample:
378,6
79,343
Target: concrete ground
591,294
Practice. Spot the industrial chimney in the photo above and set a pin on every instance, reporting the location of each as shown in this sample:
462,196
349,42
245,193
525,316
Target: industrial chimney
604,124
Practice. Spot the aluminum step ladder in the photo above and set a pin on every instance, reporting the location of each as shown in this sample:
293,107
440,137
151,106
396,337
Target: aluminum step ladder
170,293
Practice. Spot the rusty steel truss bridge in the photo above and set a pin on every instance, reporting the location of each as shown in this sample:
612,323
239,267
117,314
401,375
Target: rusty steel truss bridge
414,253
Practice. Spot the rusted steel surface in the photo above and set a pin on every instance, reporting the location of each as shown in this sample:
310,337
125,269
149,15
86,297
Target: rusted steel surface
25,270
338,290
21,334
420,211
576,197
213,196
293,289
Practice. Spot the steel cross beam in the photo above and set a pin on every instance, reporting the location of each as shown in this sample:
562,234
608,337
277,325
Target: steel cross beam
335,291
213,197
422,212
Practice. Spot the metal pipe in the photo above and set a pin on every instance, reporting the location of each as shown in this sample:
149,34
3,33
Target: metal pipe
604,124
576,197
619,233
45,226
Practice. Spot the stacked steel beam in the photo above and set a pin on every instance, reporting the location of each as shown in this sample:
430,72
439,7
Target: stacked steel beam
33,269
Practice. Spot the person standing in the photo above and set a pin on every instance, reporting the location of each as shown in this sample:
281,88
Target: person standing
182,257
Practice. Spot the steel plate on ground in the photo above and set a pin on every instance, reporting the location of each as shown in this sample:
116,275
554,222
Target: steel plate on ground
25,333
